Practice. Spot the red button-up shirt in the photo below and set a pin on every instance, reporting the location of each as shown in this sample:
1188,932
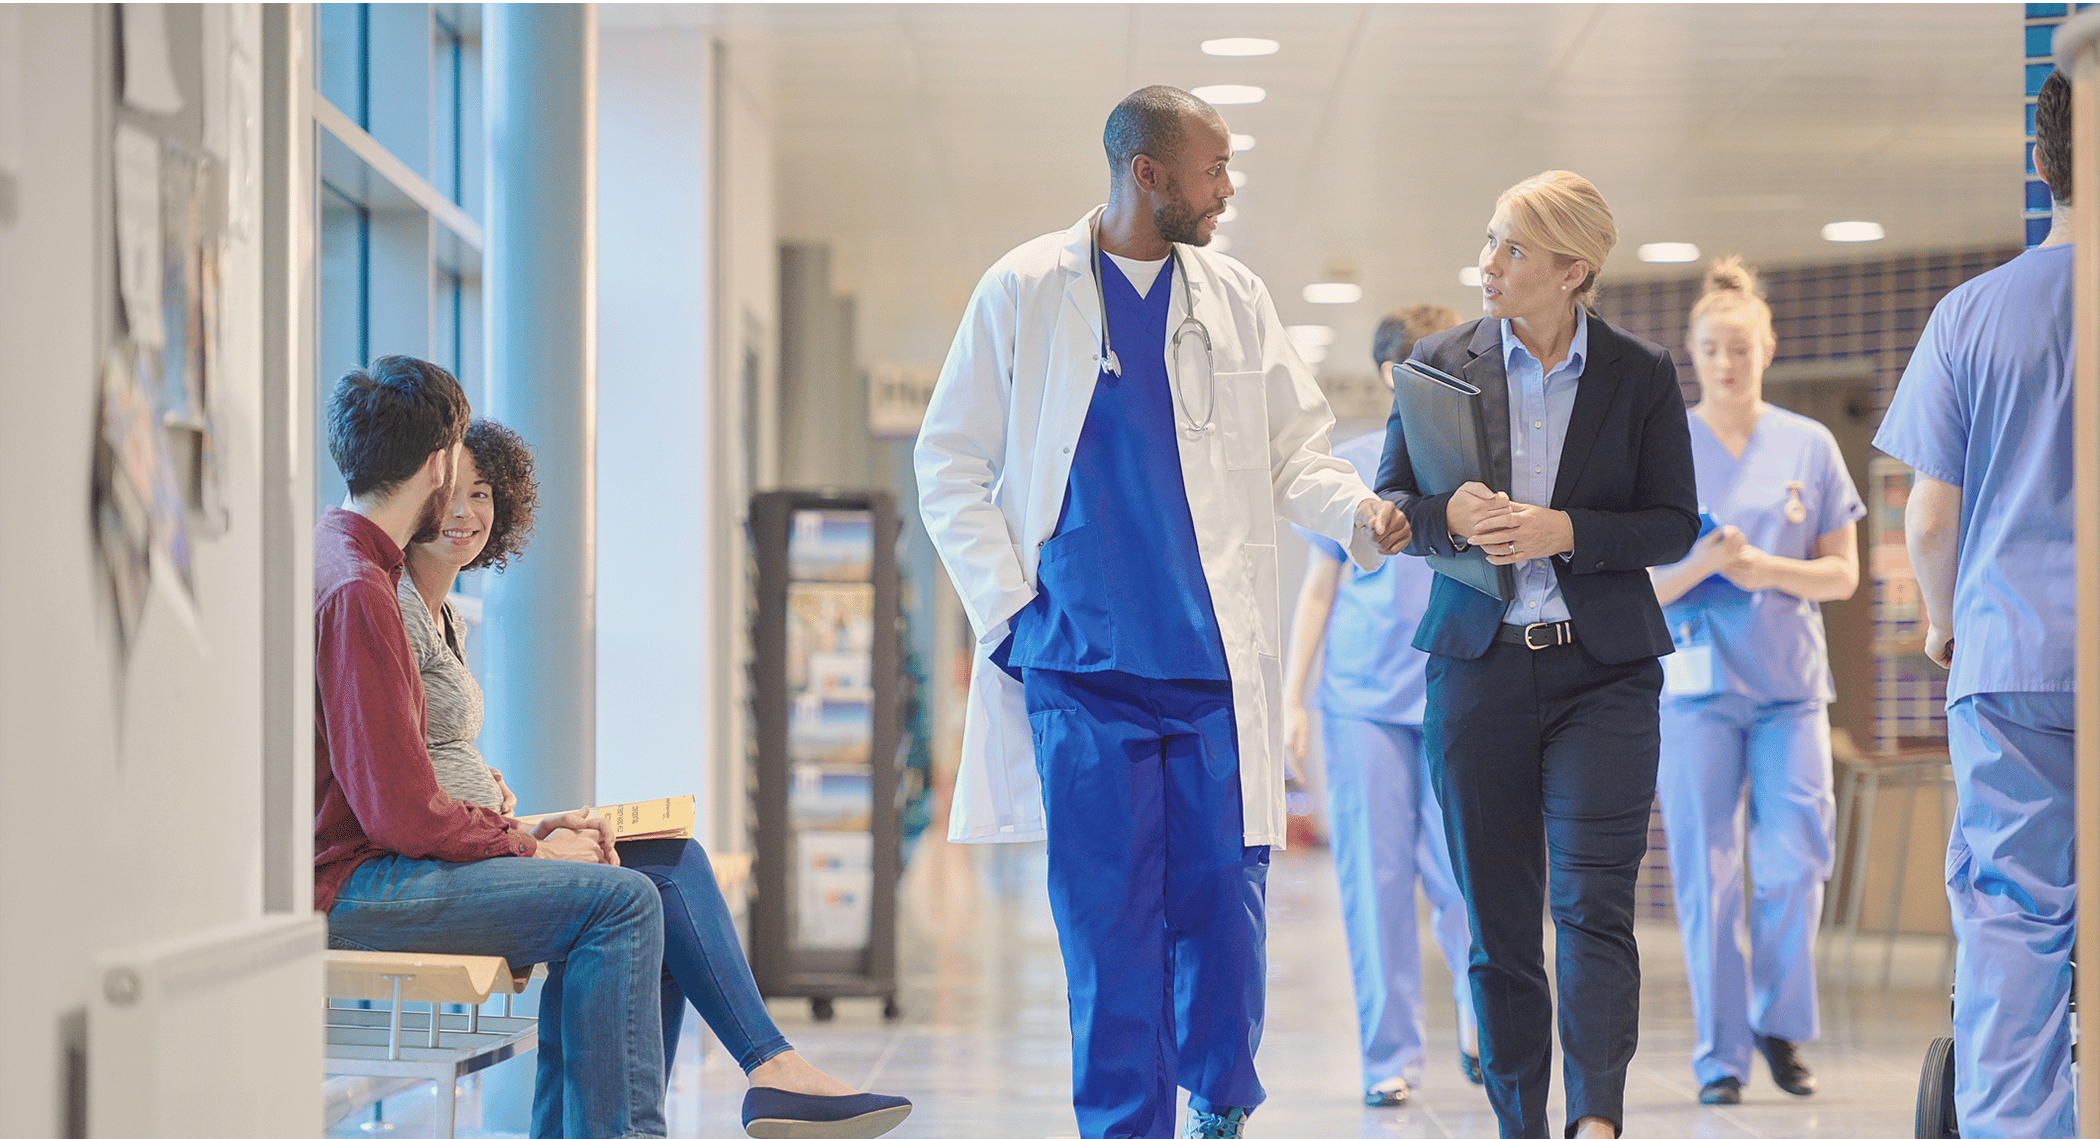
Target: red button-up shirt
374,790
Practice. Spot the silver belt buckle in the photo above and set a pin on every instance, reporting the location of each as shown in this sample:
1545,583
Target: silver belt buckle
1560,633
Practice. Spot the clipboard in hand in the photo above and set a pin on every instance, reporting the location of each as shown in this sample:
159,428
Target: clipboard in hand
1447,447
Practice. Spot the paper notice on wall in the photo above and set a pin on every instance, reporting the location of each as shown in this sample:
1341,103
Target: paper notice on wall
149,74
137,172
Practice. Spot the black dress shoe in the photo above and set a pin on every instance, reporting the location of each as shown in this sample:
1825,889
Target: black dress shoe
1470,1065
1725,1090
1792,1076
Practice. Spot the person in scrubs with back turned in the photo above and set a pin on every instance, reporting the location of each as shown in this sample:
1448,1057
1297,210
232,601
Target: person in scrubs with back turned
1119,427
1385,828
1984,416
1746,696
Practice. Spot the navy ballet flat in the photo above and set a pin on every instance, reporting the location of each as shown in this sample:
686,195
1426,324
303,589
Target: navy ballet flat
770,1113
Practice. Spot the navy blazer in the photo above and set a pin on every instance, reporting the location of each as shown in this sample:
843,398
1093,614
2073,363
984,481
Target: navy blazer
1625,481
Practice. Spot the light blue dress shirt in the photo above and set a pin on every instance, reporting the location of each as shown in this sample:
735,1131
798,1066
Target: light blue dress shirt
1985,405
1539,407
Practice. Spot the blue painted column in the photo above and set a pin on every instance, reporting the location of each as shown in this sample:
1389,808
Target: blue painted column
539,280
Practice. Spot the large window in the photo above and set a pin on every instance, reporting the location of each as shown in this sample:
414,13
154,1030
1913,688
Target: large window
397,116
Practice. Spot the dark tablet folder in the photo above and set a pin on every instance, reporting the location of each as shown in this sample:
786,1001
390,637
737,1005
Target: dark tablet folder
1447,447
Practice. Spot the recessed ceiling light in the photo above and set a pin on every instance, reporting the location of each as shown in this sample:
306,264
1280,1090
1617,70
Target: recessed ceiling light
1242,142
1220,243
1853,231
1318,335
1469,276
1311,353
1668,251
1333,293
1229,212
1240,45
1229,94
1239,178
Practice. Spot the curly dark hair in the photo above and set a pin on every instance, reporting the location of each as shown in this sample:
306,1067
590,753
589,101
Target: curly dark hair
505,463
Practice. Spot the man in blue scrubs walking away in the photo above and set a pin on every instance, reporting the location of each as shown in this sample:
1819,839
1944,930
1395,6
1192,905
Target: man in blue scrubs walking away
1118,427
1984,415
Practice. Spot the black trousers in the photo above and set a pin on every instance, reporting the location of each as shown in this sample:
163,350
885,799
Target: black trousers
1546,759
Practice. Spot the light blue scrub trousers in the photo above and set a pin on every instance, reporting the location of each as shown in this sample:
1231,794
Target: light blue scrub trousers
1159,908
1714,749
1388,833
2011,886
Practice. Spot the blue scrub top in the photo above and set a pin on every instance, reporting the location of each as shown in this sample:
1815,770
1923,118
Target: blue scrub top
1120,585
1371,669
1769,645
1985,405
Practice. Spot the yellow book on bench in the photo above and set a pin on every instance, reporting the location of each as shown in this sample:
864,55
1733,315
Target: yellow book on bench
650,818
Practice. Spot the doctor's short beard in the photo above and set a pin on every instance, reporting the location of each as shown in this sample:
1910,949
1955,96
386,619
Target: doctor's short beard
1177,220
433,519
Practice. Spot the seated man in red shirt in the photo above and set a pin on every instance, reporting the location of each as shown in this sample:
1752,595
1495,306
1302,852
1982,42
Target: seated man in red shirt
400,865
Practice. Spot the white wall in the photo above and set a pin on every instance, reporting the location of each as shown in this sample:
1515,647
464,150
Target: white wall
134,783
687,284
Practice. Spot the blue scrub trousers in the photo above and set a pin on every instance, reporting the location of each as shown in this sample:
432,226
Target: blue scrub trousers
1387,834
1159,907
1714,750
2011,886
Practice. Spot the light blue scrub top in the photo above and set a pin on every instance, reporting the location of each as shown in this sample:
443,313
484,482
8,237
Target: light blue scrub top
1371,669
1539,408
1120,584
1985,405
1769,645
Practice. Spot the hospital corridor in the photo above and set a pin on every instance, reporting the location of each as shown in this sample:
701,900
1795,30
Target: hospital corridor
831,570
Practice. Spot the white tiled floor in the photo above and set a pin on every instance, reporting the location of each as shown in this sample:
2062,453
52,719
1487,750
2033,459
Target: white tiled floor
982,1048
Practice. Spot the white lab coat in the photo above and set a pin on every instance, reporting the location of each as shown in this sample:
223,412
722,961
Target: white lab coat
994,454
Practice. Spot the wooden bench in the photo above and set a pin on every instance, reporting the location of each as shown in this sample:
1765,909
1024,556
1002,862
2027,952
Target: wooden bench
387,1045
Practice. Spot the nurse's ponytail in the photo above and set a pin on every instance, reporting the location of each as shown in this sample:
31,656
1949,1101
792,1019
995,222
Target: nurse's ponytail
1732,294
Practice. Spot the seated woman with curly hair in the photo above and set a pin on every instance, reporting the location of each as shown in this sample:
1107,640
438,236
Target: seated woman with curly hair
488,524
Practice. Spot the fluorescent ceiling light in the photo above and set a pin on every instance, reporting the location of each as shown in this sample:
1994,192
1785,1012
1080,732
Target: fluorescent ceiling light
1469,276
1240,45
1311,353
1317,335
1242,142
1669,251
1239,178
1853,231
1219,243
1229,212
1333,293
1229,94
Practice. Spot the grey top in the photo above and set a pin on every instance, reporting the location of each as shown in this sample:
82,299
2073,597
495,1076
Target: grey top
451,702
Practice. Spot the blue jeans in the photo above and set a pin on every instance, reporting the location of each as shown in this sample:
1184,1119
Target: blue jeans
600,931
703,960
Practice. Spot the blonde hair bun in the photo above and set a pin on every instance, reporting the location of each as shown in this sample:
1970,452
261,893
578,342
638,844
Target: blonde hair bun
1729,275
1563,214
1731,294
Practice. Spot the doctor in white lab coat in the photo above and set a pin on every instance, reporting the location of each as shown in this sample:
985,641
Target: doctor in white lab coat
1120,423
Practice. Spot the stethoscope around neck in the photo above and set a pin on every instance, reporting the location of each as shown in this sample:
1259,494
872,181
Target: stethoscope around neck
1189,326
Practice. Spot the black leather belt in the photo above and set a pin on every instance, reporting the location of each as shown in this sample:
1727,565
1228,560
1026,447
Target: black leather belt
1541,636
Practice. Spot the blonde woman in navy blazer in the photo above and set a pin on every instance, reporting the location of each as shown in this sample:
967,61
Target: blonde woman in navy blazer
1542,726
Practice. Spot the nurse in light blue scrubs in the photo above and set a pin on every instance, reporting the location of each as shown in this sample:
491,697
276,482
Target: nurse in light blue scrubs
1386,830
1745,726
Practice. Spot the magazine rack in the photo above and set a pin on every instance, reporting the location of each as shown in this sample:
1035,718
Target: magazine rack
826,663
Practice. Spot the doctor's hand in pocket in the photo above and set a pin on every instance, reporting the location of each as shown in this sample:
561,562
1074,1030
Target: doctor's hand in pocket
1384,523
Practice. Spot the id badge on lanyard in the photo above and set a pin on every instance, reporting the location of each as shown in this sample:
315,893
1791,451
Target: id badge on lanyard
1693,669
